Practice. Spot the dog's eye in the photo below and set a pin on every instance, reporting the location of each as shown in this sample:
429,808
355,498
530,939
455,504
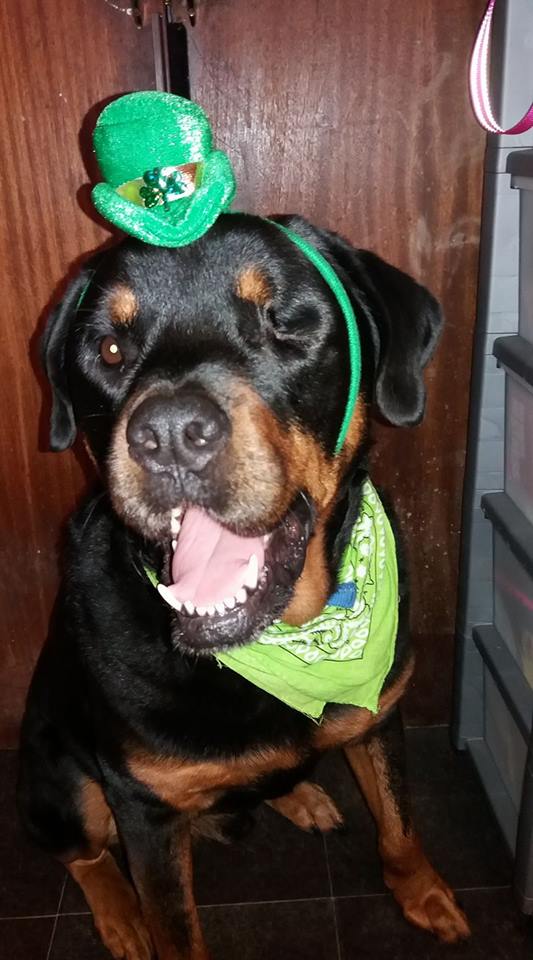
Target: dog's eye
110,352
278,325
299,322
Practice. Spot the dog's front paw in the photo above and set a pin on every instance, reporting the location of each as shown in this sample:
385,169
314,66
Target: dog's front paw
309,807
126,937
430,904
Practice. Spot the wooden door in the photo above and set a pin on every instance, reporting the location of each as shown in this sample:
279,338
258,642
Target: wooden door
58,58
355,114
351,112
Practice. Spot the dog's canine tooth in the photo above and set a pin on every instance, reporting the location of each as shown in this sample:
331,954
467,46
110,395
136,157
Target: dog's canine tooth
189,606
175,521
174,544
241,595
252,573
168,597
229,602
220,608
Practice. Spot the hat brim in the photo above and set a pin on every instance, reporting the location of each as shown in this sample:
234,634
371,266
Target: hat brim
184,221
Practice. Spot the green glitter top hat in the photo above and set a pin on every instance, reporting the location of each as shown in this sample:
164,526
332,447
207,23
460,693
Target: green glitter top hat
164,184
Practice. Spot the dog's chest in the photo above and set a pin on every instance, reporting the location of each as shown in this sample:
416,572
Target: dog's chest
196,785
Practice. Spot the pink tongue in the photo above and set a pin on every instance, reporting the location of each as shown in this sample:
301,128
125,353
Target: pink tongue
209,562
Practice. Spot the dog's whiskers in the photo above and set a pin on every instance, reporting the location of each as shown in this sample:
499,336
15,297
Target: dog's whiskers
91,511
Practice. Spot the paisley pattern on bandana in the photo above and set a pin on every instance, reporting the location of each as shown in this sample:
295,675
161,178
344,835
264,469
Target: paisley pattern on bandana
338,633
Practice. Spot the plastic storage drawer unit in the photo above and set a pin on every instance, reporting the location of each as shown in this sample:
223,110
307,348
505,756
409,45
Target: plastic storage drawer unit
513,579
503,750
513,605
515,355
504,740
520,166
519,443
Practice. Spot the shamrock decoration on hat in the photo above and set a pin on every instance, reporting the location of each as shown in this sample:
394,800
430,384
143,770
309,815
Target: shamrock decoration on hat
164,184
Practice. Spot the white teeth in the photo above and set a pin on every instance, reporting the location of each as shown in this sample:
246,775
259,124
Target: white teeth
252,572
174,544
220,607
168,596
189,606
210,610
266,538
175,521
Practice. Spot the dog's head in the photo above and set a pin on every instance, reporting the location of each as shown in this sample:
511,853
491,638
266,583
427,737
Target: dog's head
210,383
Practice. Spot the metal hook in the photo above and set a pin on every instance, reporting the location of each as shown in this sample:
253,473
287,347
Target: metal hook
143,10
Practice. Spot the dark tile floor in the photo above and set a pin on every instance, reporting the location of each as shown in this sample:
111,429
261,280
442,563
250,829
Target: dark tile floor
282,893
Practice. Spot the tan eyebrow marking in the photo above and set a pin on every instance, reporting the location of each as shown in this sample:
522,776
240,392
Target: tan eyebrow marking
123,305
253,285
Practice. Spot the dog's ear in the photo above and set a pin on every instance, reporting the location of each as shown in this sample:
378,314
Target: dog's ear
401,319
406,322
53,344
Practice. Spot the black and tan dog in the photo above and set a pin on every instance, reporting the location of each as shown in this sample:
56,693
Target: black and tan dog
211,381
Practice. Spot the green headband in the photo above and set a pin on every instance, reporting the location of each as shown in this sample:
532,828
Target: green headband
338,289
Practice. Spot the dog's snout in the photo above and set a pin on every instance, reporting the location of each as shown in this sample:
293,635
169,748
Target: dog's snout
185,430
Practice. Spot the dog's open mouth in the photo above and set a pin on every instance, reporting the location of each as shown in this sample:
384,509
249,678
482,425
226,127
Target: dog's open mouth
225,587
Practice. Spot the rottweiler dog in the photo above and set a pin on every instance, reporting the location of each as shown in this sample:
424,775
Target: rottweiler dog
209,384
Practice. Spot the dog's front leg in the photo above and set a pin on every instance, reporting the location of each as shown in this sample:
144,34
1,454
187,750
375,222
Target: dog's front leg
426,900
157,840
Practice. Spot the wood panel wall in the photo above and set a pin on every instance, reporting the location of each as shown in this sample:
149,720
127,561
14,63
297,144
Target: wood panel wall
355,114
57,59
351,112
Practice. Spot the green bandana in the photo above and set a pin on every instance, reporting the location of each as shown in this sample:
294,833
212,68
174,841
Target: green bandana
344,654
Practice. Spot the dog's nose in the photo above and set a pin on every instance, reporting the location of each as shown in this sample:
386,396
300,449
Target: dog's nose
184,430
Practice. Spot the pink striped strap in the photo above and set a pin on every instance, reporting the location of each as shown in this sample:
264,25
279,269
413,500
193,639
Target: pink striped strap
479,82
